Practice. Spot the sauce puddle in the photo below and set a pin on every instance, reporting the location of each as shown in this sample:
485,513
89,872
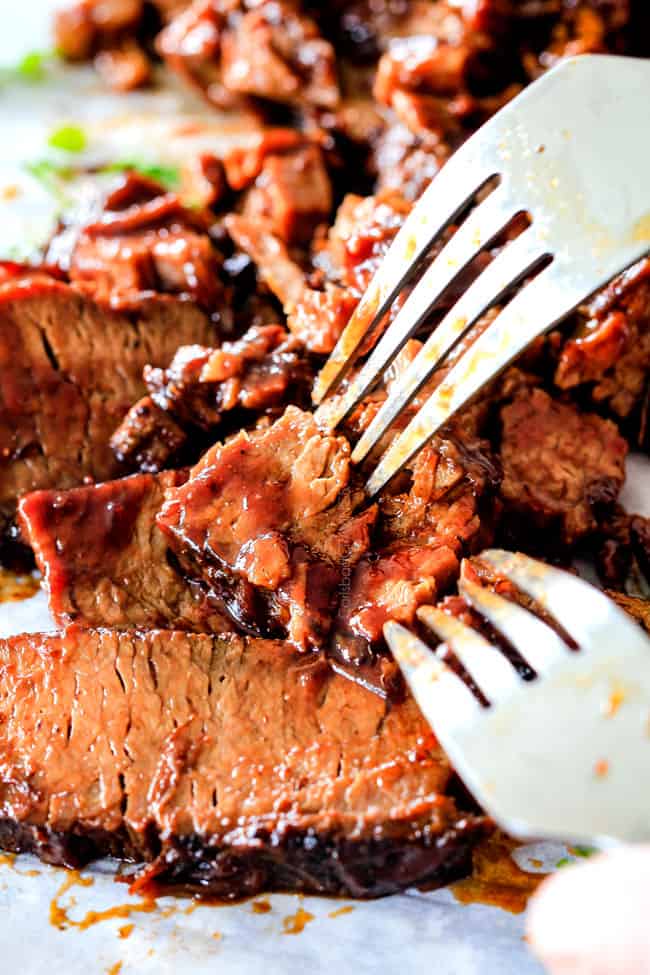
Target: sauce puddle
296,923
496,879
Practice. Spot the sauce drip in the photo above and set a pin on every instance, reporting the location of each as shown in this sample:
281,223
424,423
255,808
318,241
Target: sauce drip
13,588
296,923
115,969
496,879
261,907
60,919
340,911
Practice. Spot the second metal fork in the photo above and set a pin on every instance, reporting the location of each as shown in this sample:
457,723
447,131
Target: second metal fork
571,153
567,754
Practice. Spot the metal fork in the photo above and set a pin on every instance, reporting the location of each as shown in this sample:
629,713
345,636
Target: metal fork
571,152
567,754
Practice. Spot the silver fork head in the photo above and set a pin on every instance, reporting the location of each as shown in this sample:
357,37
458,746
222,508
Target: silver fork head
571,152
567,754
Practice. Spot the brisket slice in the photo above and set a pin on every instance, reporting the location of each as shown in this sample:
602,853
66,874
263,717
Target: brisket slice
228,764
104,560
70,369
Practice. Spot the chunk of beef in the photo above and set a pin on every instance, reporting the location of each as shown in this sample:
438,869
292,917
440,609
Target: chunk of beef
318,308
265,521
226,762
148,439
267,49
105,30
292,195
560,467
104,560
445,510
70,370
144,242
623,552
252,376
609,355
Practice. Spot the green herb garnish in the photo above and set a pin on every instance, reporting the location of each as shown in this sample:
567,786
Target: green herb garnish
564,862
582,851
70,138
31,67
167,176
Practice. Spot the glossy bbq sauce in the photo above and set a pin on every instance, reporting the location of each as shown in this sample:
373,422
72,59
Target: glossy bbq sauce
13,588
496,880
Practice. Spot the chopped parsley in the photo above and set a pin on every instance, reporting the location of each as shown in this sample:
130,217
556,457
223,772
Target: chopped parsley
69,138
32,67
564,862
167,176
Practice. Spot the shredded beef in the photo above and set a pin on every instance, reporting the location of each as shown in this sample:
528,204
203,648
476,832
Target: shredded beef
560,466
250,378
237,48
610,352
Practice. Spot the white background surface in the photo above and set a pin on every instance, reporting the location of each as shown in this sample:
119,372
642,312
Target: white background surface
418,933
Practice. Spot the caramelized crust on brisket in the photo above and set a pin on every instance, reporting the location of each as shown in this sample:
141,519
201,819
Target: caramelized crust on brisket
230,764
104,560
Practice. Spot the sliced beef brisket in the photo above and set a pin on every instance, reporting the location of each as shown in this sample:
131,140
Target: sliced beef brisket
71,369
104,560
227,763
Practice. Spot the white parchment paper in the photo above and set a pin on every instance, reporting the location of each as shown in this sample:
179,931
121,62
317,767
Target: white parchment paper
417,933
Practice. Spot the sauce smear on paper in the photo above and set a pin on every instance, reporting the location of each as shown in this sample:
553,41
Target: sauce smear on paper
496,879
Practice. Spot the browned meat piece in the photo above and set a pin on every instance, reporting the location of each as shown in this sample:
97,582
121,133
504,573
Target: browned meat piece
104,560
144,242
69,370
228,763
559,466
318,309
148,439
265,520
638,608
623,551
291,195
444,511
254,375
105,30
611,350
123,68
264,49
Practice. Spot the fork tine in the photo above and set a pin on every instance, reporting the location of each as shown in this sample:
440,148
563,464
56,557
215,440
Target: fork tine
509,267
537,643
452,189
477,232
490,670
442,696
535,309
586,613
